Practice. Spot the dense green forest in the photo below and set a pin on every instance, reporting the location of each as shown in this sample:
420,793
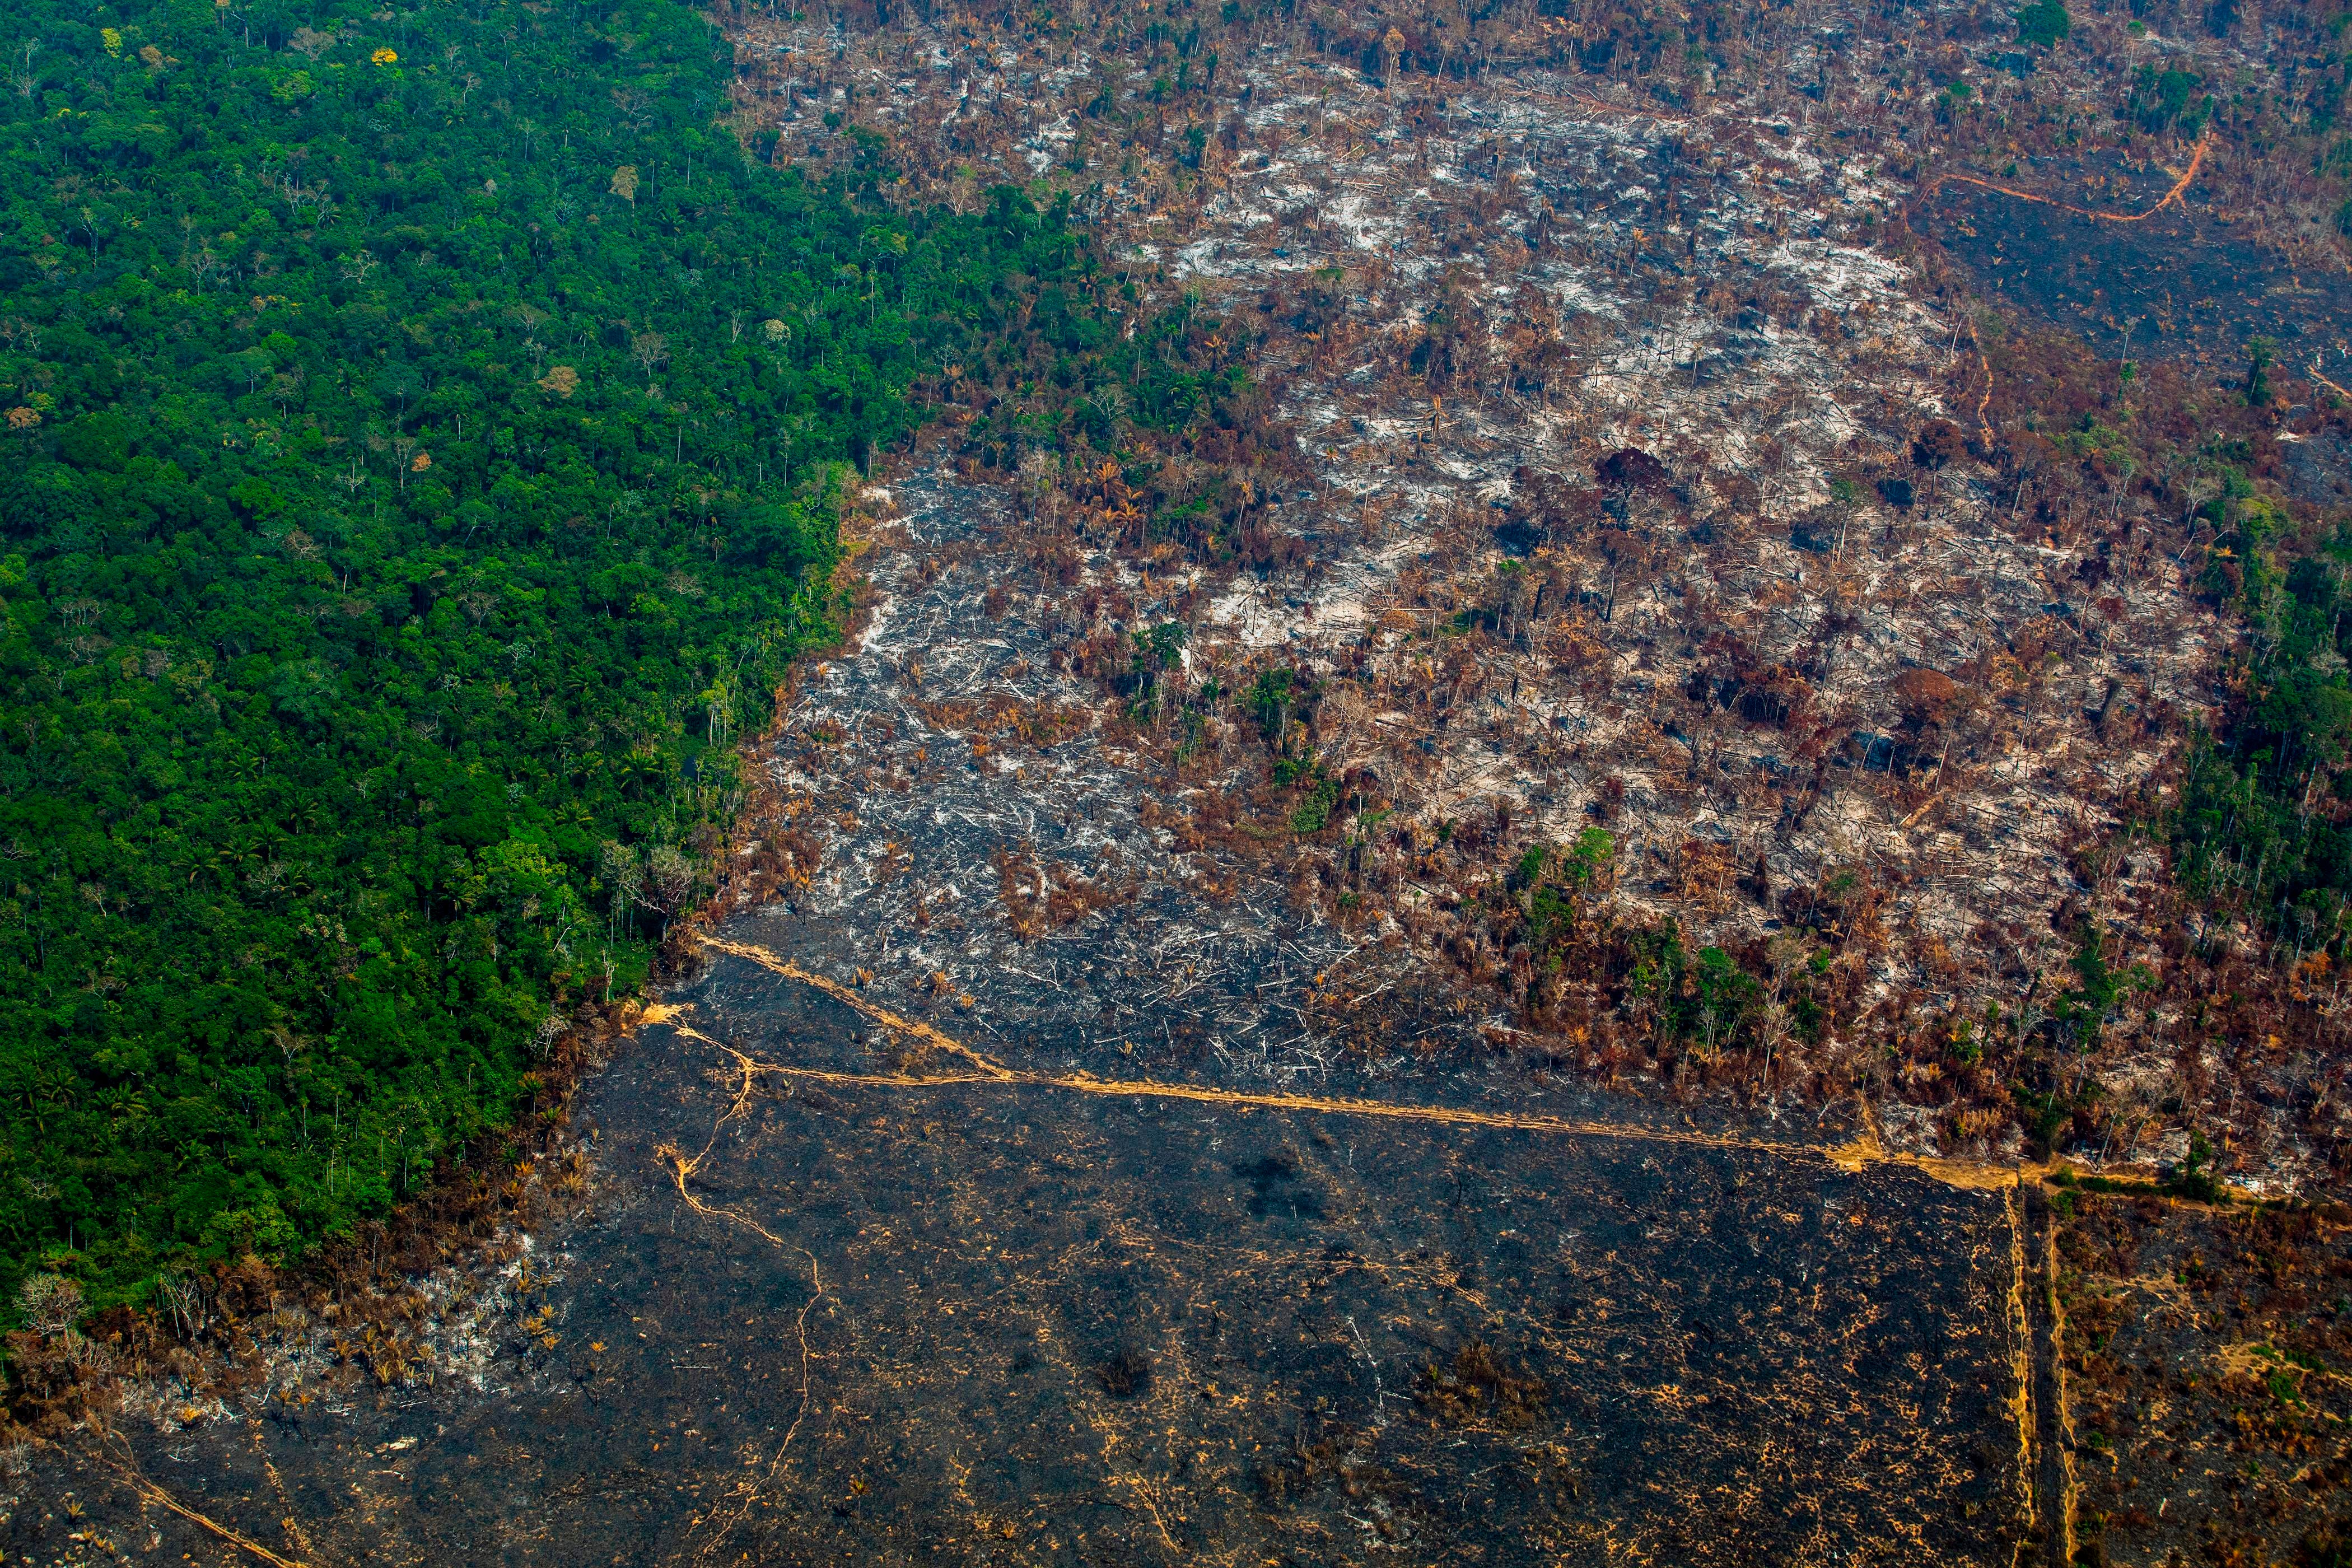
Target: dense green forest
425,426
2261,822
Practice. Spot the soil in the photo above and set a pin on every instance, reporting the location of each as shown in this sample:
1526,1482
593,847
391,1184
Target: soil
2188,283
975,1323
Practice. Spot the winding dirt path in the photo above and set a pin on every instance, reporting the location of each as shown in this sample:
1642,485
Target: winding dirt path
2179,187
1856,1153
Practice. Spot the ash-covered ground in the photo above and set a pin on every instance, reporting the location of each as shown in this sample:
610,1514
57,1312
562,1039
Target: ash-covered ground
979,1325
1630,478
2183,283
977,839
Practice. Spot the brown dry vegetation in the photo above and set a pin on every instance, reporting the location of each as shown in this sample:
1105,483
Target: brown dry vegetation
1721,522
2204,1354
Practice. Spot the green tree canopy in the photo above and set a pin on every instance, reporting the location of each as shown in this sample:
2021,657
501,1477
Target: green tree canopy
423,430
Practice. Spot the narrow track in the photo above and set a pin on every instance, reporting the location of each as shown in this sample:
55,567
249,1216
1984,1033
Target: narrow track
2179,188
1855,1154
2043,1413
126,1469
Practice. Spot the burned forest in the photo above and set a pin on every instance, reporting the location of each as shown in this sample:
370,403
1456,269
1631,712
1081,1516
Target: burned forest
1574,784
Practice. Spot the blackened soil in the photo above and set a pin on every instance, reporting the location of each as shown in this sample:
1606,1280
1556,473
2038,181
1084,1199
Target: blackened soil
2185,284
981,1323
2318,468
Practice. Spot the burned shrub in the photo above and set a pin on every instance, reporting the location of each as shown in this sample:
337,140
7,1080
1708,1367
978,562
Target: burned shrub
1126,1374
1630,468
1278,1187
1773,695
1938,442
1926,696
1550,507
1479,1387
